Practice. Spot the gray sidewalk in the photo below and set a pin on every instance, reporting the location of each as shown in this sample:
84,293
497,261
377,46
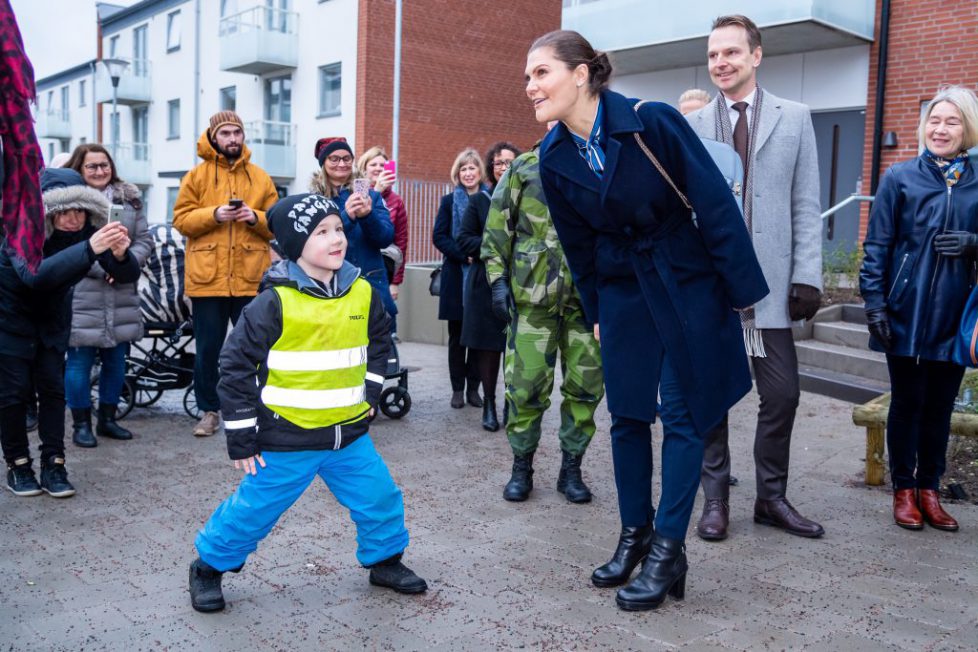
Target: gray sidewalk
107,569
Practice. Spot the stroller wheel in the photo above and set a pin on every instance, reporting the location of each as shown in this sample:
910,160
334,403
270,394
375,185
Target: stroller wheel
126,400
395,402
146,397
190,403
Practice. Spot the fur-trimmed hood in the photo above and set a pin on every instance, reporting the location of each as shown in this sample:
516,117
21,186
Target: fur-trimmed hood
87,199
317,183
124,192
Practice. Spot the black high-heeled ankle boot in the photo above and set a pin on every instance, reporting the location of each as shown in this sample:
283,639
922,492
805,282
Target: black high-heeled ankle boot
633,546
490,421
663,572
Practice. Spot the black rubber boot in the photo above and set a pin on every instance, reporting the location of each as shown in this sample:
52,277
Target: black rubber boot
107,427
392,574
633,545
205,587
521,483
569,481
81,428
490,421
663,572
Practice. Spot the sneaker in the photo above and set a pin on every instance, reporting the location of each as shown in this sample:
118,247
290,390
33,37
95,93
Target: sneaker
392,574
208,424
21,480
54,479
205,587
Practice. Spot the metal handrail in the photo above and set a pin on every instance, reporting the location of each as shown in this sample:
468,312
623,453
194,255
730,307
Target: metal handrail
259,18
845,202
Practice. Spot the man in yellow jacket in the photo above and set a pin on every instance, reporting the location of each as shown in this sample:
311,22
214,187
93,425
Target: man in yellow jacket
221,211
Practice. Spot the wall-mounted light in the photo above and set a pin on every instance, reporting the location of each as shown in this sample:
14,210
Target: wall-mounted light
890,139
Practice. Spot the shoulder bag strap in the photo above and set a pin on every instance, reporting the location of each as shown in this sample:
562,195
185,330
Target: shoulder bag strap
655,162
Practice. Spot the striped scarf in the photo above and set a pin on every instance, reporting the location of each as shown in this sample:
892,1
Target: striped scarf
591,149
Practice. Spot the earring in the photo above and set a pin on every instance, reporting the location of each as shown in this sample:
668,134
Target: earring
579,84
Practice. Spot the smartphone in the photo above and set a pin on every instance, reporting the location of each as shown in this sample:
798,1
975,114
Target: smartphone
361,186
116,212
391,166
235,203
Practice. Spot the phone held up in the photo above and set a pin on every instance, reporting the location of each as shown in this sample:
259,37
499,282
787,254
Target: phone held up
391,166
361,186
116,212
235,203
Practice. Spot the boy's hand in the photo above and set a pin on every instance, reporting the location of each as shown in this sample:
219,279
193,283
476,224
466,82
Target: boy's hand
370,414
248,464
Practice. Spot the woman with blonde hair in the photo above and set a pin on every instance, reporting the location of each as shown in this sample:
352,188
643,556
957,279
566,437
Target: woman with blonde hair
467,177
918,271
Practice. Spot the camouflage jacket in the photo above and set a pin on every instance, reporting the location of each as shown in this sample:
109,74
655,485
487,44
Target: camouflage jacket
520,240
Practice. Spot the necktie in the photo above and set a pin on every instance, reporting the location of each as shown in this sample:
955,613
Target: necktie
740,133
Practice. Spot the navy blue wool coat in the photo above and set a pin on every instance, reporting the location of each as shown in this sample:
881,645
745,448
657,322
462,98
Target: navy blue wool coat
658,285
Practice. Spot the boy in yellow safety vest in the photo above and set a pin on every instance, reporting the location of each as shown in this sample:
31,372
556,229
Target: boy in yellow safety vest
300,375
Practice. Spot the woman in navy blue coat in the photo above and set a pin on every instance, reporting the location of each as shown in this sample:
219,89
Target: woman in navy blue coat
919,269
660,289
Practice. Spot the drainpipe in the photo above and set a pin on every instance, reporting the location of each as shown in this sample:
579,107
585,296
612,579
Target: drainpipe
96,107
396,126
196,133
880,95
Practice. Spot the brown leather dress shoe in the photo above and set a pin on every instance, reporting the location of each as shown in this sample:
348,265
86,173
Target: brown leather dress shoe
714,521
780,514
934,514
905,511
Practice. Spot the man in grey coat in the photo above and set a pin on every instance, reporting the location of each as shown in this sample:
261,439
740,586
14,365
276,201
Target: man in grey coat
776,143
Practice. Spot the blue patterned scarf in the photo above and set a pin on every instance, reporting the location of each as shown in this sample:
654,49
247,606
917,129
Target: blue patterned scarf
951,168
460,202
591,149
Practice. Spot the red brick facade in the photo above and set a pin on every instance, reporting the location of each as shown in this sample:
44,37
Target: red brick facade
931,43
461,78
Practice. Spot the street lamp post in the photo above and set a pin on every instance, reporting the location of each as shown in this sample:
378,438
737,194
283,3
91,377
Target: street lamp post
115,68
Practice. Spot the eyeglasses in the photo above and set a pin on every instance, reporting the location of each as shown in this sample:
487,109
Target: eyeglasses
94,167
339,160
501,165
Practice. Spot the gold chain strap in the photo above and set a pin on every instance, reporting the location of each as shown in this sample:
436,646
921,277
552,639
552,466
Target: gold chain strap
655,162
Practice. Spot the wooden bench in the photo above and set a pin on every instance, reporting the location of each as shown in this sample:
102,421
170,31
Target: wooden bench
872,416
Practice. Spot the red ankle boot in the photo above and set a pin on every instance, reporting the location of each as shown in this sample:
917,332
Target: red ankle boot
905,511
934,514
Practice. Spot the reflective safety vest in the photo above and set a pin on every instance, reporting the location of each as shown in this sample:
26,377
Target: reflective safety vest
317,367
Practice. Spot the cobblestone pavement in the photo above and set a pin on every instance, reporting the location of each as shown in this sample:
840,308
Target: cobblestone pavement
107,569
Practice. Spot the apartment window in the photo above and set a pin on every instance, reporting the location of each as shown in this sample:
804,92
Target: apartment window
64,102
173,119
173,31
50,151
278,99
140,133
50,101
228,8
113,46
330,84
114,126
228,98
82,140
81,92
277,17
171,201
140,50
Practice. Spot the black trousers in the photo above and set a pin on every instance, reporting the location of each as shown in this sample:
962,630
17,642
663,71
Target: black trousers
461,361
777,384
211,316
47,369
919,422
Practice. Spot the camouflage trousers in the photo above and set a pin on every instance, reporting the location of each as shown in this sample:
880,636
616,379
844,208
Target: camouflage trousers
531,357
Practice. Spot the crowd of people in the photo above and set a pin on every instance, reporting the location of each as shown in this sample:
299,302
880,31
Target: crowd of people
614,246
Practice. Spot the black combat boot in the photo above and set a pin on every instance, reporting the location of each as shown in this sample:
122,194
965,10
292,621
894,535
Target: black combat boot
81,428
490,421
392,574
633,545
205,587
107,427
521,483
569,481
663,572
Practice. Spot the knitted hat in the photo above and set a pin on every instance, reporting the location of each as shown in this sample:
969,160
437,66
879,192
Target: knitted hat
326,146
222,118
292,220
63,189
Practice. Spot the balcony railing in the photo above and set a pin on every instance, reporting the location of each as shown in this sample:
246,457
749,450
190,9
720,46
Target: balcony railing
259,40
133,162
53,123
135,83
272,147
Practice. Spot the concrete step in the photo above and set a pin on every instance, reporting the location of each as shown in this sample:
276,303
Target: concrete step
842,359
844,387
854,314
841,332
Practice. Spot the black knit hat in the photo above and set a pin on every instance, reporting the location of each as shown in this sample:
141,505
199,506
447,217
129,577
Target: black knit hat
293,219
326,146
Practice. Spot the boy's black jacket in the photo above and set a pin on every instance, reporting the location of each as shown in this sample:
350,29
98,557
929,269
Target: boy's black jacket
243,370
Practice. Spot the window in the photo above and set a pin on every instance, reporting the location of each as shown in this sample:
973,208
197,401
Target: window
330,84
50,151
113,46
228,98
173,119
228,8
277,16
50,101
64,102
140,51
278,99
171,200
81,92
114,126
140,133
173,31
82,140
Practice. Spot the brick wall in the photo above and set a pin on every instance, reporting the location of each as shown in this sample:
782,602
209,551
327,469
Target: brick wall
461,78
931,43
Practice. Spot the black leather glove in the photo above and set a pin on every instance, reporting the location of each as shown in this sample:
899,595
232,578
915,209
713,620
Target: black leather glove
879,326
956,243
803,301
503,305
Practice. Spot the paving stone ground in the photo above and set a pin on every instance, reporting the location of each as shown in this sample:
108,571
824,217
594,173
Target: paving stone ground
107,569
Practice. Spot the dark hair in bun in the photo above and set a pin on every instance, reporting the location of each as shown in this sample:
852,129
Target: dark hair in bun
573,50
